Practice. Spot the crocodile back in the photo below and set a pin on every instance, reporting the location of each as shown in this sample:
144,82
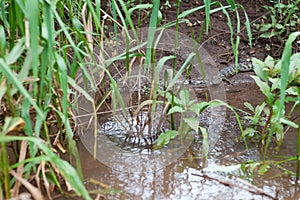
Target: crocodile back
231,70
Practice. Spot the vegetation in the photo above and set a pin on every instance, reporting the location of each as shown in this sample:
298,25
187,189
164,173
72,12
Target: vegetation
284,20
44,46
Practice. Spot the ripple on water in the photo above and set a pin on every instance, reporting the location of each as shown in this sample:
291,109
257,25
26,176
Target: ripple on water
184,179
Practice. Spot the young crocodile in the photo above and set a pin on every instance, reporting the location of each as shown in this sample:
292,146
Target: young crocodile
231,70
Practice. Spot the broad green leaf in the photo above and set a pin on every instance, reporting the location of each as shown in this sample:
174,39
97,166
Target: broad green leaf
279,26
176,109
292,91
263,169
249,132
176,100
265,27
192,122
275,83
249,106
294,72
63,79
16,52
77,24
295,62
165,138
12,124
184,97
264,88
258,67
199,107
278,136
267,34
289,123
275,108
269,62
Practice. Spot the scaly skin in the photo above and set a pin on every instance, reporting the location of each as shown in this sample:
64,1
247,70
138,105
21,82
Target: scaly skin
231,70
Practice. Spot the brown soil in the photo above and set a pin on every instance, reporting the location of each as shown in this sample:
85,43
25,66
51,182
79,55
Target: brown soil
217,40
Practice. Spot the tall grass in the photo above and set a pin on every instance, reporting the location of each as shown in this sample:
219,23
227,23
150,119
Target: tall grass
40,54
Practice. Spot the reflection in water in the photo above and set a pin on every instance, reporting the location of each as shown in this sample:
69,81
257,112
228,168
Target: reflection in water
184,179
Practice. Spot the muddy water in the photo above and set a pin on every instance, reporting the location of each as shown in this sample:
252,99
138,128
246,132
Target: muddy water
185,178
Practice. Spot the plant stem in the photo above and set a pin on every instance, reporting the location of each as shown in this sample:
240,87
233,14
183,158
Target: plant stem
298,141
4,169
174,61
263,134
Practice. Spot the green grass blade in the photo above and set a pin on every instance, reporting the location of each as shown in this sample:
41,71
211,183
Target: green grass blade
96,20
26,117
218,9
2,42
138,7
151,32
190,11
207,13
63,80
47,57
285,67
3,14
16,52
230,26
237,41
14,80
22,7
4,166
64,167
181,70
248,27
128,19
232,4
12,24
32,9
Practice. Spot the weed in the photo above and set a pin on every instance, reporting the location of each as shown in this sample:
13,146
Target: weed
281,20
279,82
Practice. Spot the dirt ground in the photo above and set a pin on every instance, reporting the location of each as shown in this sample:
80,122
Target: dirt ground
217,40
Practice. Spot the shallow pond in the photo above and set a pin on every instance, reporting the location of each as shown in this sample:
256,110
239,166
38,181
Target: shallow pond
185,178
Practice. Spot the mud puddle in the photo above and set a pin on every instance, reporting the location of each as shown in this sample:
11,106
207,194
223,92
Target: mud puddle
185,178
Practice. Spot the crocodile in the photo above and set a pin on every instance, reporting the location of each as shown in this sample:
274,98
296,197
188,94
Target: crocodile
135,138
231,70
